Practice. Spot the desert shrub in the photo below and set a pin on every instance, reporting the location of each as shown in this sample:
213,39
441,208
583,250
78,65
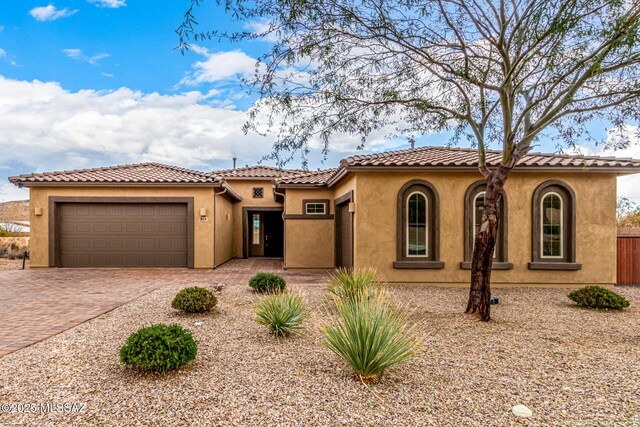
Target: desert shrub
282,313
194,300
159,348
598,297
353,285
371,335
267,282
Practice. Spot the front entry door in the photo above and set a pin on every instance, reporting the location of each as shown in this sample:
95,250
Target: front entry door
265,233
273,234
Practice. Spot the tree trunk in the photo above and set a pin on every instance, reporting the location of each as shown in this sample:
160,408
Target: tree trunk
483,247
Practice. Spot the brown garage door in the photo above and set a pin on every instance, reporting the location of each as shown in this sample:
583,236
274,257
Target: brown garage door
122,235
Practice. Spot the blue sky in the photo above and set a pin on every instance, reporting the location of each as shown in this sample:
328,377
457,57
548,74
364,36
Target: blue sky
93,83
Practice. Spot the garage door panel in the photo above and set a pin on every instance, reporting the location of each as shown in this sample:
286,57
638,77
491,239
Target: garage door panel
122,235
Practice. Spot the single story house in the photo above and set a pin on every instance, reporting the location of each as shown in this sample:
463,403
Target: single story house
411,214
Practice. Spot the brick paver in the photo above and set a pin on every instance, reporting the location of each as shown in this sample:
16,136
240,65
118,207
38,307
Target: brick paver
38,303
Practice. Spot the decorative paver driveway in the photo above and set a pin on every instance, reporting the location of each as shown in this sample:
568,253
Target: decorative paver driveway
36,304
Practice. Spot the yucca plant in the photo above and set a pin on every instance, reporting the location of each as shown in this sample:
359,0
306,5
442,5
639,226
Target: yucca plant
282,313
371,335
346,285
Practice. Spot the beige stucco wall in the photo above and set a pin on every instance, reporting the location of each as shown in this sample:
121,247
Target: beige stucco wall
224,230
202,198
375,227
245,189
308,242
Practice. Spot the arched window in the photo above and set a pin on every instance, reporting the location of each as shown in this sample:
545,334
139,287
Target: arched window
418,226
553,231
473,208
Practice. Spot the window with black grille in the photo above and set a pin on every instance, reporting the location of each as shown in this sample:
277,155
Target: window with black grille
258,192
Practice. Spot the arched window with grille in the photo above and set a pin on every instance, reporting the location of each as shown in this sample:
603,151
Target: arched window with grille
418,226
553,243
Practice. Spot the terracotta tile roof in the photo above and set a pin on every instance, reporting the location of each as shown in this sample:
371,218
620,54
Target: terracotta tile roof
257,172
466,157
141,173
309,177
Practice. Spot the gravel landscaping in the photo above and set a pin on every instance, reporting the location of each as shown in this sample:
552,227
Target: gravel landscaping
570,366
12,264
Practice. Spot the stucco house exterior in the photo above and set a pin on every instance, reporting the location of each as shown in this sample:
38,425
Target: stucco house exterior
411,214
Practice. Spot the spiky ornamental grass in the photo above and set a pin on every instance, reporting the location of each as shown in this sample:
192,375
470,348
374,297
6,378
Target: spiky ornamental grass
371,335
354,285
282,313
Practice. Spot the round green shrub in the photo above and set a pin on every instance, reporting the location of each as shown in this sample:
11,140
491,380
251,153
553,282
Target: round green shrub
159,348
598,297
194,300
267,282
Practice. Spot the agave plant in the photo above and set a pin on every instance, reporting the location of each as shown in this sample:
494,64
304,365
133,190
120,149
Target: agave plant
354,285
282,313
371,335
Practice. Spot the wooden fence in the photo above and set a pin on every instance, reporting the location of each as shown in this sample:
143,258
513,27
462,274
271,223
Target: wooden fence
628,256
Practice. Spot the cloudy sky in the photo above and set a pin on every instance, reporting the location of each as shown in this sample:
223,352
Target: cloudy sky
88,83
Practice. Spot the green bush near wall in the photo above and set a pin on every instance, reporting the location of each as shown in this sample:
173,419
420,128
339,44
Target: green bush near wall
599,298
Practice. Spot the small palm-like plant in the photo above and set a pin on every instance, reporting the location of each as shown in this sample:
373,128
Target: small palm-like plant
354,285
371,335
282,313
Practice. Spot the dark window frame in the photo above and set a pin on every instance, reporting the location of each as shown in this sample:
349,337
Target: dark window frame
501,261
432,260
568,259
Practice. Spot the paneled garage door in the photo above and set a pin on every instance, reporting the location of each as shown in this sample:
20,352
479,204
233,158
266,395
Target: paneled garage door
122,235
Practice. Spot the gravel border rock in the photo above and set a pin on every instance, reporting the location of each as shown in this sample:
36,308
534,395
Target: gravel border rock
570,366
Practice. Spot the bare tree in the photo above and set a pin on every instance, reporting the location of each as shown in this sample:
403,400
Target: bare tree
497,73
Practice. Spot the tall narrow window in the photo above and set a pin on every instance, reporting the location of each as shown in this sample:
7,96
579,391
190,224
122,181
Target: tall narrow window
417,235
551,227
418,226
256,229
553,242
473,209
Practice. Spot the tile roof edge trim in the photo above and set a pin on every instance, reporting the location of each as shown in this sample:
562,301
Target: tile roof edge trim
631,169
112,184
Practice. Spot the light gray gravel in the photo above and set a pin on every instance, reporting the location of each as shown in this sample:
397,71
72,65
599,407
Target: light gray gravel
570,366
12,264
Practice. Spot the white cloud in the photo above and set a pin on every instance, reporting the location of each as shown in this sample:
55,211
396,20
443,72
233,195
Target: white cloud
5,56
219,66
263,27
79,55
113,4
50,13
628,185
11,192
45,127
109,75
